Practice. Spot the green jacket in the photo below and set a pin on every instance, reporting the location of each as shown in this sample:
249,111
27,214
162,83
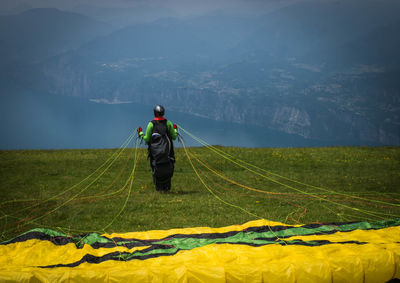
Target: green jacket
149,131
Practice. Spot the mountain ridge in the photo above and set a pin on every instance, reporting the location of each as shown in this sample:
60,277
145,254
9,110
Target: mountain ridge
255,76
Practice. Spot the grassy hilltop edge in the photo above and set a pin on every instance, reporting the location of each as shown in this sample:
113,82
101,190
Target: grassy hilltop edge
61,189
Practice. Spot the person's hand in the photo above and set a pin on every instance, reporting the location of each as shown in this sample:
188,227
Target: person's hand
175,127
139,131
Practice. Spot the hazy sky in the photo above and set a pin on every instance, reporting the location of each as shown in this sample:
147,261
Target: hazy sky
180,7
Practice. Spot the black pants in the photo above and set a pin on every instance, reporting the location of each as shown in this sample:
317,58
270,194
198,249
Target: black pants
162,174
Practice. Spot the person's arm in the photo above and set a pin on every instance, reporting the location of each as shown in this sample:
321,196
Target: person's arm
173,133
149,131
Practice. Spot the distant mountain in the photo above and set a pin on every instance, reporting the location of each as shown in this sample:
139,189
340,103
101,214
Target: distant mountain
121,17
313,30
321,70
203,39
379,47
41,33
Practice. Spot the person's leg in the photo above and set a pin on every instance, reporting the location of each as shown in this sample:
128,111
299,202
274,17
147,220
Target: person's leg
159,186
163,177
167,186
154,175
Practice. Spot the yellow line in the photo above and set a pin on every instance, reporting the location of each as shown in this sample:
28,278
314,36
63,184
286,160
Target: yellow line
224,155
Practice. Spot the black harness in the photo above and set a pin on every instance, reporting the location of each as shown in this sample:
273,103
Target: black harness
161,154
161,148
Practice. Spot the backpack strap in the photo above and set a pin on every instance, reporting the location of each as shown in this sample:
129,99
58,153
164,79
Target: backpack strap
160,127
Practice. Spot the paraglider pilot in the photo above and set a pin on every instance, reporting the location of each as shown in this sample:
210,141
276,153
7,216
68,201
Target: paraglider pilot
159,137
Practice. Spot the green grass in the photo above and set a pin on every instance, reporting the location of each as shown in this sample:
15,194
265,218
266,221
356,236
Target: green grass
48,188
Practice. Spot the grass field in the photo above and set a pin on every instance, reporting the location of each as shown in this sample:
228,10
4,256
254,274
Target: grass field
61,189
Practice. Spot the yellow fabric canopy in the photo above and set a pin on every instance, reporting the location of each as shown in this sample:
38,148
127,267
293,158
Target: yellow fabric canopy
257,251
